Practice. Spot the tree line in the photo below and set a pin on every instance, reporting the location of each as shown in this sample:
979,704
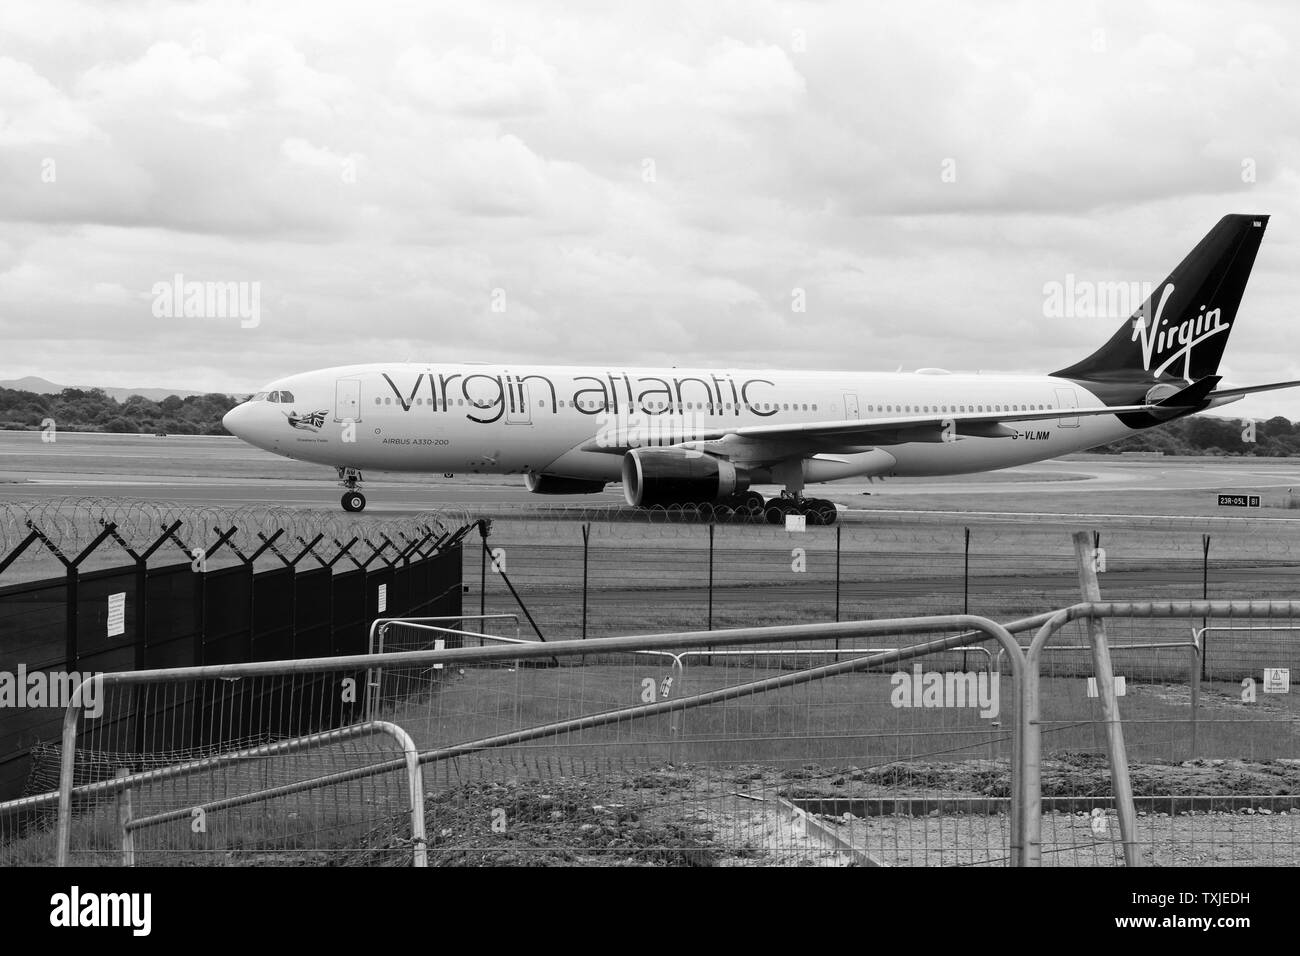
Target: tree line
1277,437
91,410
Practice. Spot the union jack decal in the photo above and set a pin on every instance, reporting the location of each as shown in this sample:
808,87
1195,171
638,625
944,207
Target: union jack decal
311,422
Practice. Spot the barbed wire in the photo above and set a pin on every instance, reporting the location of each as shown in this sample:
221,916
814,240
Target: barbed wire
73,523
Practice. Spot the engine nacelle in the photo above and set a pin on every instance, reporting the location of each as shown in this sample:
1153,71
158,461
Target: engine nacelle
665,476
558,485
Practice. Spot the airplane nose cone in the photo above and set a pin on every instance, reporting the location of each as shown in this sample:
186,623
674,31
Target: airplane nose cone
236,420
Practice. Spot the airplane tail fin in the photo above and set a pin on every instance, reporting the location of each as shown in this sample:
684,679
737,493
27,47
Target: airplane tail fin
1179,333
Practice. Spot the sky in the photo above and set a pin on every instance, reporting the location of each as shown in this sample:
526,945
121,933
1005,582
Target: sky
791,185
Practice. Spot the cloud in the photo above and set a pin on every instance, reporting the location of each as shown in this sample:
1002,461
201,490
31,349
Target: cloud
647,186
169,73
746,80
459,81
33,112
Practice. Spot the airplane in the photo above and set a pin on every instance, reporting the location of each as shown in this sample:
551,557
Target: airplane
706,435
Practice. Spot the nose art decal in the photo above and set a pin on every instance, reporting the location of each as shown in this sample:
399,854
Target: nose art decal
312,422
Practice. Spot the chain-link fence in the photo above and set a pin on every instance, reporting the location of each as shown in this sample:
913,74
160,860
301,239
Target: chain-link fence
619,572
858,743
678,749
1213,754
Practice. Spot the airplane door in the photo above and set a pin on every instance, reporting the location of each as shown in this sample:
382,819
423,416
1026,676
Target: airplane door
1065,397
850,406
347,400
519,410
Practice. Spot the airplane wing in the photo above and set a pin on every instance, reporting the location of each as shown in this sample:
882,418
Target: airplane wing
769,443
847,435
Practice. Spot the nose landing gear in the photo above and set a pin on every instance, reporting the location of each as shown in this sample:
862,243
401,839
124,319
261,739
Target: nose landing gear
353,500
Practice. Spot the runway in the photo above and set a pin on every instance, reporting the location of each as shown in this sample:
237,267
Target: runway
226,471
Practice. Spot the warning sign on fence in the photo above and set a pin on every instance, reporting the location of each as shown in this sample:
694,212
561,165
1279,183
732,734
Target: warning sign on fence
1277,680
117,614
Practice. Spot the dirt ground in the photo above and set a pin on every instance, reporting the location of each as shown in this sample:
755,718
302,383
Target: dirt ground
1206,812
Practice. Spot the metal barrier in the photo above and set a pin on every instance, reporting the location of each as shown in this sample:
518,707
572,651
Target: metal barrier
380,626
414,775
581,751
1250,734
111,812
414,685
727,766
745,715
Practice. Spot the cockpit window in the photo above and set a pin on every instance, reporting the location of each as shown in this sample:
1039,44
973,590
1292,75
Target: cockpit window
273,397
259,397
286,396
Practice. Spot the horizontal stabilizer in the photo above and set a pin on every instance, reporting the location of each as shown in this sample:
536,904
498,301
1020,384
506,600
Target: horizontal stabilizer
1251,389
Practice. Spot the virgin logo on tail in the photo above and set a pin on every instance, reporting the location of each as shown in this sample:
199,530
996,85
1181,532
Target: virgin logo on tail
1158,337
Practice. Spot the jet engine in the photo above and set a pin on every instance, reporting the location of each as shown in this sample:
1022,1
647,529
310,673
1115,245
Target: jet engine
664,476
558,485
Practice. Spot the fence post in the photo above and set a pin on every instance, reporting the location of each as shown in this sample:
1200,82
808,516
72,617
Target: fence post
712,528
73,603
482,577
838,529
965,594
141,643
586,547
965,578
1121,785
1194,679
1205,594
123,818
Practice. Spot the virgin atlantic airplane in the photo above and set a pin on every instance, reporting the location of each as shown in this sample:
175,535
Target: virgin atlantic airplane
675,435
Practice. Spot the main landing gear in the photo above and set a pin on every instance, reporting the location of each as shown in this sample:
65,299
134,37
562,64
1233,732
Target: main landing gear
353,500
818,511
750,505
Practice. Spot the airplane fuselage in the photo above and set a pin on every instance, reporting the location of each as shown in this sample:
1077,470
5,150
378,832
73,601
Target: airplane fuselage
517,419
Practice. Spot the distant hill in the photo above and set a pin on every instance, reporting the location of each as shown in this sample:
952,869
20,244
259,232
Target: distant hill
43,386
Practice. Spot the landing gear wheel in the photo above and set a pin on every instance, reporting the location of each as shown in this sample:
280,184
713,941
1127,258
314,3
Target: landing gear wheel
777,509
354,501
820,511
740,507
